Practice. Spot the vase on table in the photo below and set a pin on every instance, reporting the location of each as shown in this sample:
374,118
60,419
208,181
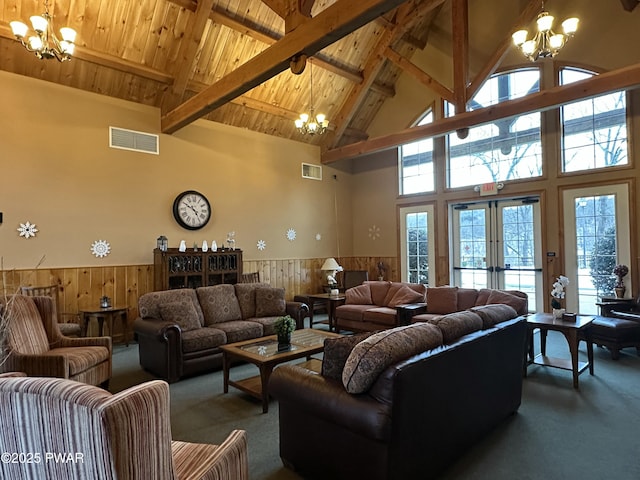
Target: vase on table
284,341
558,312
620,291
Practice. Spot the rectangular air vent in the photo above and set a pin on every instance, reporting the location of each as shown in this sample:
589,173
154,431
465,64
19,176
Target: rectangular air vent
132,140
311,171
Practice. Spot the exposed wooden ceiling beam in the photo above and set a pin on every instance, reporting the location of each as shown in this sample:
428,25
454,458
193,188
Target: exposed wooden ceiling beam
330,25
460,52
403,21
109,61
626,78
252,31
188,49
294,12
416,72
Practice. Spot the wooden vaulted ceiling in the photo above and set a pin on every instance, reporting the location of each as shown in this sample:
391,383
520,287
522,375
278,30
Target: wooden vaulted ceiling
234,61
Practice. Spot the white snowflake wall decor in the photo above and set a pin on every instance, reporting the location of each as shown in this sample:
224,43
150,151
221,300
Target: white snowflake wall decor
374,232
261,245
291,234
318,237
100,248
27,230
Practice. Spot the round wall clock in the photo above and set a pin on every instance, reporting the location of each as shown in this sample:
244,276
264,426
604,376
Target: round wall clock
191,210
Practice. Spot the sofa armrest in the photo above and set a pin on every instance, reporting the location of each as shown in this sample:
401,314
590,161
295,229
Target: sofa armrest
297,387
298,311
153,327
39,365
85,342
404,313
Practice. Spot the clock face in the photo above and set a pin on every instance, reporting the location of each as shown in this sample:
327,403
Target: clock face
191,210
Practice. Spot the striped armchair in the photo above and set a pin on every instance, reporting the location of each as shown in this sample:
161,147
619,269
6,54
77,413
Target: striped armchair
69,430
34,344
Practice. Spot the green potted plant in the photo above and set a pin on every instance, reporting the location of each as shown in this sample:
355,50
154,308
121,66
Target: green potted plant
284,326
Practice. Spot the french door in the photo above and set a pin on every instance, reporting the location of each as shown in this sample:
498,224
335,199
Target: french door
597,237
497,244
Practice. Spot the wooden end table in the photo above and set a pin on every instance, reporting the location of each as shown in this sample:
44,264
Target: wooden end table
107,315
332,301
572,331
263,353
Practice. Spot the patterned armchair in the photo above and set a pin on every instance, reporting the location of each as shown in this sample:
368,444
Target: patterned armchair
34,344
95,434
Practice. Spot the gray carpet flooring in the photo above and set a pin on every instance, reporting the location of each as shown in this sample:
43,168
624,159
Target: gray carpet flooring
559,433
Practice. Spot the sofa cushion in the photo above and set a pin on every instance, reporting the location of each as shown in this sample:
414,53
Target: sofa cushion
455,325
381,315
500,296
181,313
268,324
202,339
379,289
246,294
219,304
81,359
360,295
483,296
352,312
372,355
239,330
270,302
442,299
149,303
405,295
467,298
492,314
336,352
29,335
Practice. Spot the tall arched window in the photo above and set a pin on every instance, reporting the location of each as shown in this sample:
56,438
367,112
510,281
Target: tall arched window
594,131
507,149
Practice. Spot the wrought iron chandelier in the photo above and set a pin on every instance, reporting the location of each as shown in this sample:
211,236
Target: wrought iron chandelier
545,43
45,44
312,123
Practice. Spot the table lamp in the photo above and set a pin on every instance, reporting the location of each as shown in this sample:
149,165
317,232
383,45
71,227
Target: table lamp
331,267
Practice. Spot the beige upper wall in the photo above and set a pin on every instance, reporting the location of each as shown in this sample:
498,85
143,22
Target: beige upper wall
59,173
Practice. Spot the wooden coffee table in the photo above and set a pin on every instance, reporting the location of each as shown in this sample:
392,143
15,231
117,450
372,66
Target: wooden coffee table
571,331
263,352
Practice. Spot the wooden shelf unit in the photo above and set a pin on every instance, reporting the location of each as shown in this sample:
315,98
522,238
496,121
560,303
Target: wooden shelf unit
193,269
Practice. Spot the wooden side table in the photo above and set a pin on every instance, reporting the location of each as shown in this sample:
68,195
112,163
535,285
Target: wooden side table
332,300
107,315
573,331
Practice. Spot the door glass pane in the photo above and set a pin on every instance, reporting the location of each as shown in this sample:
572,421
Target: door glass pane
596,249
417,248
519,250
472,248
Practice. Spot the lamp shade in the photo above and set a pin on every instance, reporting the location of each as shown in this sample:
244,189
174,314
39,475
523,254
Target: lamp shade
330,264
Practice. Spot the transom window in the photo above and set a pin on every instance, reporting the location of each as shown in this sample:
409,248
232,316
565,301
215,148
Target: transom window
594,131
507,149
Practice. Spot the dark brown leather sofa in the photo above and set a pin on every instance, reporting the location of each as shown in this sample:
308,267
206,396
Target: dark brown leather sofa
179,332
417,418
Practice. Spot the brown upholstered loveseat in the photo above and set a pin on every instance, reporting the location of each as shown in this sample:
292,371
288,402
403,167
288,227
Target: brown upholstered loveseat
179,332
377,305
404,402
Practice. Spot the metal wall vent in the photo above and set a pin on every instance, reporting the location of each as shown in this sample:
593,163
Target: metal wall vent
132,140
311,171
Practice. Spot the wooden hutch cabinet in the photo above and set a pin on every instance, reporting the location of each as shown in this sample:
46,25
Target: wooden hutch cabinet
193,269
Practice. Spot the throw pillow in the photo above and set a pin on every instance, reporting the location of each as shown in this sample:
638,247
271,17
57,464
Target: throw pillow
336,352
492,314
360,295
455,325
405,295
270,302
374,354
182,314
219,304
519,304
442,299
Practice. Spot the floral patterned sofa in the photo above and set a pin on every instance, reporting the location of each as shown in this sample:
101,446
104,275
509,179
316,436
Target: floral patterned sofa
180,331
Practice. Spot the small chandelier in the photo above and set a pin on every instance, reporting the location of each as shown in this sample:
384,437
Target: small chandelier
45,44
545,43
312,123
